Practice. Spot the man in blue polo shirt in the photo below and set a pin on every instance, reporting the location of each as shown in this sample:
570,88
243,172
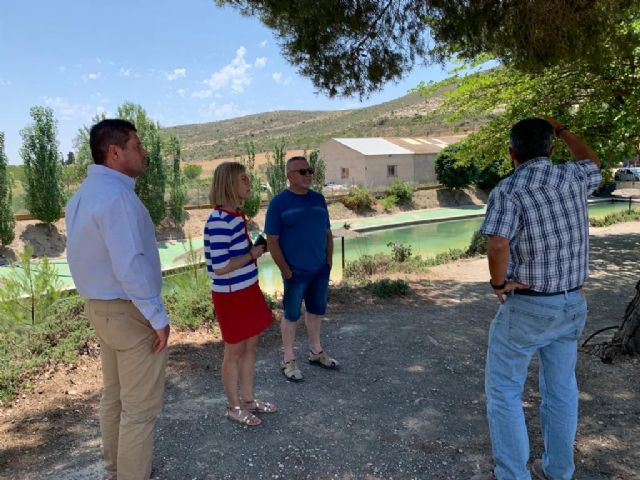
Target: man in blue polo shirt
301,244
538,249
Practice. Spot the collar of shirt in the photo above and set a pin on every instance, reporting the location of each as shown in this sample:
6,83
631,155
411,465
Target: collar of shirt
102,170
534,162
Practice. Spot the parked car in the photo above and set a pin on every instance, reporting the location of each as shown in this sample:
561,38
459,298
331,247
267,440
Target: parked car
628,174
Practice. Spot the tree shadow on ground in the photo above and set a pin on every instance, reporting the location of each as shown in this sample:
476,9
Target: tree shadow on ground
407,402
7,255
453,198
45,240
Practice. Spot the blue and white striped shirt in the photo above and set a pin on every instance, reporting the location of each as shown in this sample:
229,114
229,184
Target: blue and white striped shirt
225,237
542,210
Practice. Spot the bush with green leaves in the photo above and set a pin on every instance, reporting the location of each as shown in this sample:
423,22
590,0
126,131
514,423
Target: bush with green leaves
450,172
389,202
400,252
478,245
42,166
387,288
402,190
358,199
28,292
7,218
490,175
192,171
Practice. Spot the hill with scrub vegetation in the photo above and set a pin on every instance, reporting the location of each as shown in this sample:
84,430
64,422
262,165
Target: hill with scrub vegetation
300,130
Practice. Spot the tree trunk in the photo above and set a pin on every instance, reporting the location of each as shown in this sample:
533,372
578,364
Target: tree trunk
626,340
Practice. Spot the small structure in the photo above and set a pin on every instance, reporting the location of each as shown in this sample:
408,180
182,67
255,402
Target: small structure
377,161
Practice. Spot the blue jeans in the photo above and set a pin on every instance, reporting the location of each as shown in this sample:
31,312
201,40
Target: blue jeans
523,325
312,288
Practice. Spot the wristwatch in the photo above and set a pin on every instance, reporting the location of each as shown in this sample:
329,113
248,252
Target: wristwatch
498,287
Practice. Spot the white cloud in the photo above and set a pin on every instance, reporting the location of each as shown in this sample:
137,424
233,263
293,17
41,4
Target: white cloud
66,110
62,68
263,43
177,73
182,92
202,94
260,62
4,83
91,76
234,74
278,78
215,112
125,72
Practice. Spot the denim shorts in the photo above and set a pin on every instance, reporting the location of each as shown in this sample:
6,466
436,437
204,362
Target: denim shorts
312,288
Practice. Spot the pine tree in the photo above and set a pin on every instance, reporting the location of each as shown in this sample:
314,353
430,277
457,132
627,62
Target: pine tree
7,219
42,166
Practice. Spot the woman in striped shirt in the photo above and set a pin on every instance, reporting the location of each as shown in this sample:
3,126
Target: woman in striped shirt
241,310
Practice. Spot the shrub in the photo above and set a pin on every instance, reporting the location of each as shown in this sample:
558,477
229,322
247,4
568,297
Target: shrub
478,245
389,202
27,294
358,199
489,176
386,288
403,191
366,265
192,171
59,339
188,299
618,217
399,252
450,173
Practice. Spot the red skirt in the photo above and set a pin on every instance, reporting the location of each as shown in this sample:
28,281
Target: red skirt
242,314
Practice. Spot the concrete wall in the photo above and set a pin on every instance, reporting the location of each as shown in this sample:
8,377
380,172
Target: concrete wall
337,156
371,170
424,167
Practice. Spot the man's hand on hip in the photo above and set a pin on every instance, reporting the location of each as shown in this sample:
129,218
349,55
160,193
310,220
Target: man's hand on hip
509,286
162,336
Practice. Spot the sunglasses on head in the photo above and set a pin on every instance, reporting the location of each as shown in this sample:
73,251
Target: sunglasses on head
304,171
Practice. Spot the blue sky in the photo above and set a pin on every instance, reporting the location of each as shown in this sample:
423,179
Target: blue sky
184,62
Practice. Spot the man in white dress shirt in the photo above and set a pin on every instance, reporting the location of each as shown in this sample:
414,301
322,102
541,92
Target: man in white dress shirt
114,261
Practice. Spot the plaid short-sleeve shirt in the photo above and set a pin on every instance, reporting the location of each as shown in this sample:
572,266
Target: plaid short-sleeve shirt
542,210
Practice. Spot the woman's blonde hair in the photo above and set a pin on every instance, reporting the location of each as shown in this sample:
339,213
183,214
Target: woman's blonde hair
224,186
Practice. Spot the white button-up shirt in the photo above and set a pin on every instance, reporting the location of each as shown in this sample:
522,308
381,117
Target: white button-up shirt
111,244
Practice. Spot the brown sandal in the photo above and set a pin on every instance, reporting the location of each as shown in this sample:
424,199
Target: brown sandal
243,416
259,406
323,360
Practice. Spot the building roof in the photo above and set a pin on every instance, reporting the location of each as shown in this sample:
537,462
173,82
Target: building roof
373,146
399,145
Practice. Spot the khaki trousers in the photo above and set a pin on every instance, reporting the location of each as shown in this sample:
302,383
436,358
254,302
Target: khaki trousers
133,387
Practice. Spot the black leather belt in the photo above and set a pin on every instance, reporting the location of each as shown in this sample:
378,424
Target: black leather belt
533,293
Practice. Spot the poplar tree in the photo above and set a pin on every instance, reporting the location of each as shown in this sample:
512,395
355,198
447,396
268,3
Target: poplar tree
150,187
277,170
251,205
42,166
7,219
177,187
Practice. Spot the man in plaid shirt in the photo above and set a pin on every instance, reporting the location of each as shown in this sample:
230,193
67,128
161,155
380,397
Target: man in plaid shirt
538,228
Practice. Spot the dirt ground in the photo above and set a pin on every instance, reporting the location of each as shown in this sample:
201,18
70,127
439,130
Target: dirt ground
50,241
407,403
